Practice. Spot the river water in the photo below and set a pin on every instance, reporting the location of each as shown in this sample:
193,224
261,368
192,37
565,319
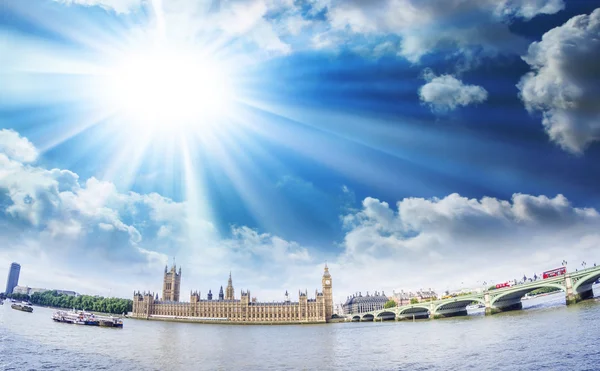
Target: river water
544,335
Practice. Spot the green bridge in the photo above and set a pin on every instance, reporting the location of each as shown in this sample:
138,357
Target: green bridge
577,286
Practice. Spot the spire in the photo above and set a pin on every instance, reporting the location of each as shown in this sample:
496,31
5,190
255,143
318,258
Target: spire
229,282
326,271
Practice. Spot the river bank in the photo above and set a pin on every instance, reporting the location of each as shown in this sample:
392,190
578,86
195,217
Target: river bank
221,321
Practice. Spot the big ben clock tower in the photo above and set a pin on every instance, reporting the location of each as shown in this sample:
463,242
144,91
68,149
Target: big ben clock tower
327,293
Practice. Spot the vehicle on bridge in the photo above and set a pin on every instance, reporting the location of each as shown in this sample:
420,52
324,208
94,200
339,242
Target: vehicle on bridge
501,285
555,272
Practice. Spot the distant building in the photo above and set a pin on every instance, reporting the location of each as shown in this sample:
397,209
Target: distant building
425,295
67,292
33,290
23,290
360,304
401,298
404,298
228,308
13,277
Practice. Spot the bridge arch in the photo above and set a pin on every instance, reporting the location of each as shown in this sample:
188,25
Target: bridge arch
419,311
586,280
412,309
356,319
518,292
386,315
458,303
367,317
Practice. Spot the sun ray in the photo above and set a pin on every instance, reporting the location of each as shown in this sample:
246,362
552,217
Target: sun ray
75,127
198,211
124,166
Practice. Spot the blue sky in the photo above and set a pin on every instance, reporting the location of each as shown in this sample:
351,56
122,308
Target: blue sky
409,144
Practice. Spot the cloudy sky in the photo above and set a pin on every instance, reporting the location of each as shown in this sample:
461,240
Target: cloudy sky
407,143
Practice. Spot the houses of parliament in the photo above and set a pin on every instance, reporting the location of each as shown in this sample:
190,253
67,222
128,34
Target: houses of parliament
226,307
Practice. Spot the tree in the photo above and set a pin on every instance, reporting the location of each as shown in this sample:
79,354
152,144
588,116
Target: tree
414,301
389,304
83,302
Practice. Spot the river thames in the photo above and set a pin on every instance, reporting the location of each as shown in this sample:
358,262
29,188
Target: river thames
546,334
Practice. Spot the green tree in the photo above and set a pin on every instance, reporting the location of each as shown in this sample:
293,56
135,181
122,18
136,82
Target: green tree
414,301
389,304
83,302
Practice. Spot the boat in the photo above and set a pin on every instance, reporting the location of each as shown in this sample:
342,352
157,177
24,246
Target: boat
87,319
22,307
475,306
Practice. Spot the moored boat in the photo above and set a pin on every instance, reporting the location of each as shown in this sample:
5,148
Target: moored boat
88,319
22,307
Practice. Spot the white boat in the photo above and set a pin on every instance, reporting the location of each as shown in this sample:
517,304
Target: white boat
88,319
475,306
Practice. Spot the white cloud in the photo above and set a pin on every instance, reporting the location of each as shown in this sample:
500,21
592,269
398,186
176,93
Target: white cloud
96,232
55,223
107,227
295,24
471,26
90,223
443,243
565,80
16,147
184,20
528,9
250,243
445,93
119,6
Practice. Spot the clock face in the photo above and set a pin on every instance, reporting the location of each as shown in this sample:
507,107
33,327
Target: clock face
327,282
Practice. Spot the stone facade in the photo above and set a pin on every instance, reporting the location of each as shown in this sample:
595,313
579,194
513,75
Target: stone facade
360,304
229,309
171,284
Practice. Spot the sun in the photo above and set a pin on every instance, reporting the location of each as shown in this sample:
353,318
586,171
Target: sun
165,89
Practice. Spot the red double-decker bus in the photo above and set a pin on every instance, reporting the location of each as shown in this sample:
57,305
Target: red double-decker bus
501,285
555,272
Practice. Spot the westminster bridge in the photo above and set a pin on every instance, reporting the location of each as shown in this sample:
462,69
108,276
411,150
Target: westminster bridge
577,286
